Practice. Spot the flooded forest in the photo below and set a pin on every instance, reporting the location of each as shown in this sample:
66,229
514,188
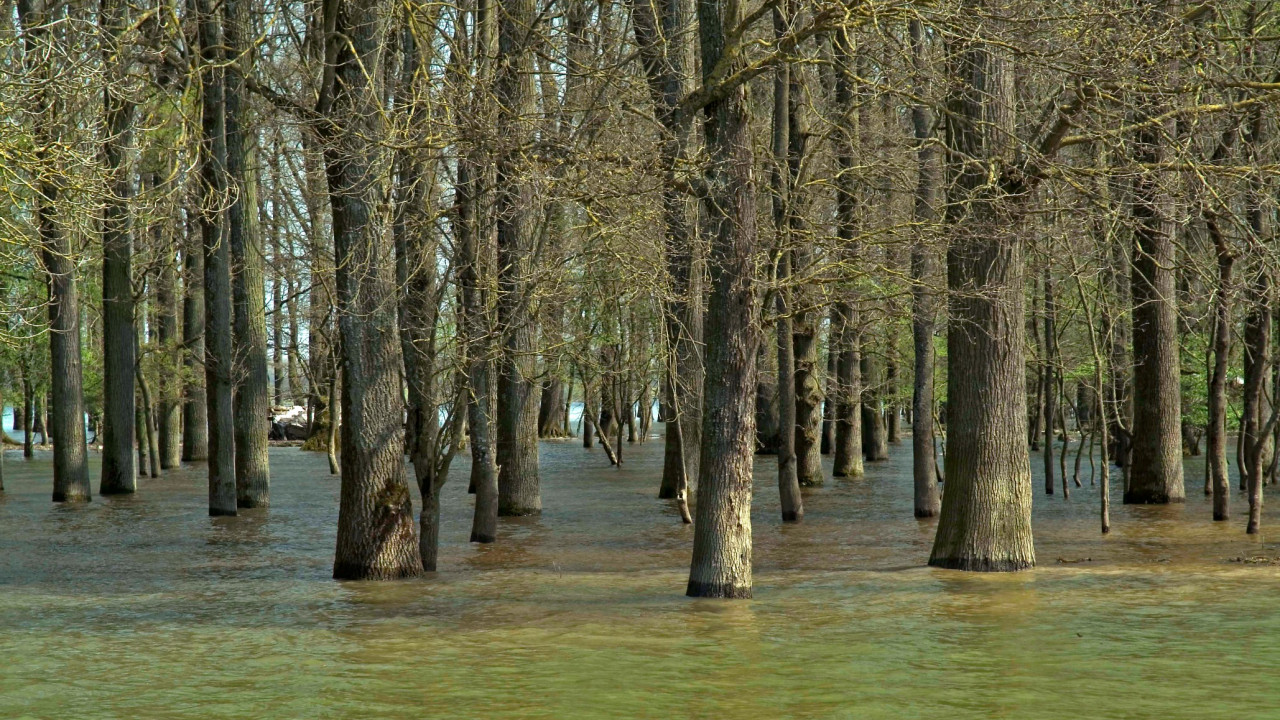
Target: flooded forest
639,358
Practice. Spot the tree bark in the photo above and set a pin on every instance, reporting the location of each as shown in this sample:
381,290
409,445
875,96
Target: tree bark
195,415
118,357
217,271
924,311
252,402
721,565
70,467
377,537
985,523
517,427
1155,473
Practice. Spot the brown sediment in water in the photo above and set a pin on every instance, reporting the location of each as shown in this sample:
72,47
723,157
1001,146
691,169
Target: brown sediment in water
580,612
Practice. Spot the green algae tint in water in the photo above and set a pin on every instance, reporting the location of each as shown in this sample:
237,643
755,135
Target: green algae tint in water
144,607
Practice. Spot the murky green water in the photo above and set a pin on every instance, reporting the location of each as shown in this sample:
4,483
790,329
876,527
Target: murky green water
144,607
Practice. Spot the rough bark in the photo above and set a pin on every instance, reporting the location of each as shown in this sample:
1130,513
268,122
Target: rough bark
1155,472
985,523
377,537
721,565
70,468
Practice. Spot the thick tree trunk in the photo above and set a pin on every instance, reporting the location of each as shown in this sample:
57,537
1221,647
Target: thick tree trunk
217,271
252,404
70,468
721,565
1155,474
551,409
377,537
118,358
985,523
517,426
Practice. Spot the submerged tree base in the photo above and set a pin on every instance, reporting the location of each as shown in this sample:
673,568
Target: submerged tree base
354,571
728,591
72,497
220,512
1142,496
983,564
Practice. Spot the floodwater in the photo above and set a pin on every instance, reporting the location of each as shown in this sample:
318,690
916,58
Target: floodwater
144,607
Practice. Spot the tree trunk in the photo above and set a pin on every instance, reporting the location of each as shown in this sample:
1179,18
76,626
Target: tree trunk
848,435
118,358
924,310
1155,474
830,400
781,181
217,270
70,468
377,536
195,416
517,427
169,387
721,565
875,439
252,403
1049,383
985,523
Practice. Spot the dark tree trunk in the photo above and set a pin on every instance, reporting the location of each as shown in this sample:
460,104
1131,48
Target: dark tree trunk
844,322
217,270
377,537
252,404
875,439
985,523
1155,474
781,181
662,35
551,409
195,416
118,357
1050,381
70,468
924,310
721,565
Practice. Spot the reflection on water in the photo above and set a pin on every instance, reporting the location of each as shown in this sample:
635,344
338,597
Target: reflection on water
145,607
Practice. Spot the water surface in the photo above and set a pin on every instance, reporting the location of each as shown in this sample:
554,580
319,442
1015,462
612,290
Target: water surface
144,607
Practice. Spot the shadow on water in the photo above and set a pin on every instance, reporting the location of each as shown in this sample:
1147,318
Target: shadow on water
579,612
